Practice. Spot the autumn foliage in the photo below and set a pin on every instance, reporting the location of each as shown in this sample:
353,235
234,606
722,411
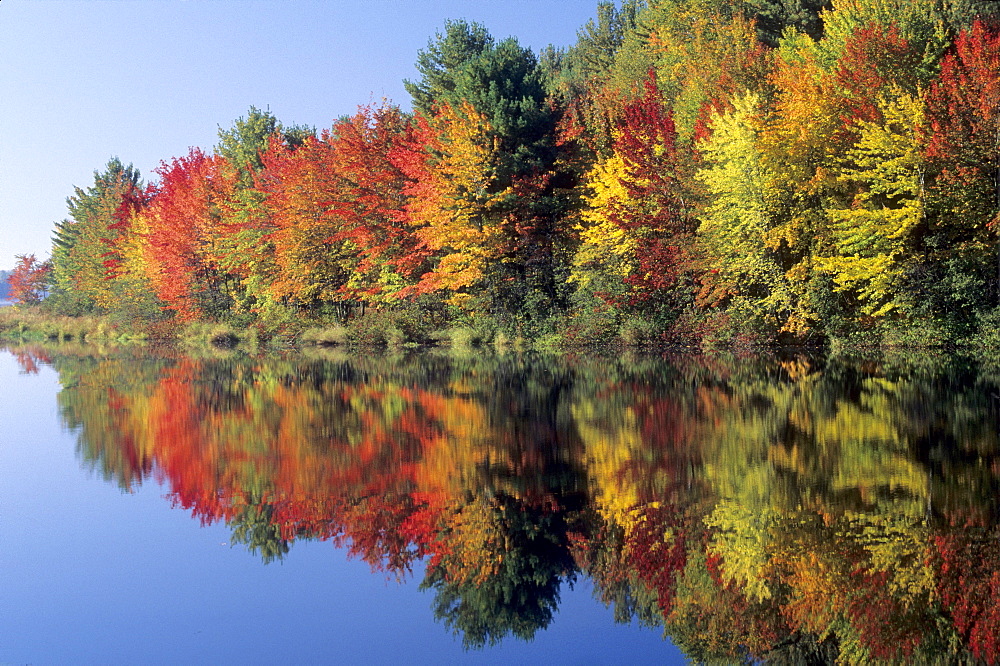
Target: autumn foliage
723,170
29,279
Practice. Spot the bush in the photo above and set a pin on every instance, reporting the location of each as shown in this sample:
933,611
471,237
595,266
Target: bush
36,323
325,336
913,334
461,337
592,324
210,334
394,325
986,340
635,332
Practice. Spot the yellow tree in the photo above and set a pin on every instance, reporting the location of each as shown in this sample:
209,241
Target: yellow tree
455,201
738,222
801,145
874,236
605,256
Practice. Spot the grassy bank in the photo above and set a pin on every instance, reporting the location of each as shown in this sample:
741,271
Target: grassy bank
31,324
406,329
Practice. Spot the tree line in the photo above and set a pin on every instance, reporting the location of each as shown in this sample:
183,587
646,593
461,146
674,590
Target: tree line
735,170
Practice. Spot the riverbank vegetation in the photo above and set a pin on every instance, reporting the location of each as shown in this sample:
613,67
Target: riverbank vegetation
708,171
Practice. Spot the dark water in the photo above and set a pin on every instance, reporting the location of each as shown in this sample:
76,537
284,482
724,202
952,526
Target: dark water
427,508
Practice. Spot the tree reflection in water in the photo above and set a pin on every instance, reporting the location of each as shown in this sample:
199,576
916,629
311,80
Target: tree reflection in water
788,509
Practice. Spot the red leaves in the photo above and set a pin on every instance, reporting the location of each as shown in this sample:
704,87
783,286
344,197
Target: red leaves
366,149
964,117
29,279
183,218
874,59
648,144
889,629
966,98
969,586
654,209
964,102
658,560
336,204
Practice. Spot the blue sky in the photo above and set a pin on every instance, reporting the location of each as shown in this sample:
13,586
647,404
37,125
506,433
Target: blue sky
82,81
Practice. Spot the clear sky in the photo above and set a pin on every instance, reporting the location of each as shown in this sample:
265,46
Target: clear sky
82,81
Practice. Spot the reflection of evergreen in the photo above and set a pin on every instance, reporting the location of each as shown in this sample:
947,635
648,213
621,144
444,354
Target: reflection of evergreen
537,452
519,593
97,402
804,650
253,526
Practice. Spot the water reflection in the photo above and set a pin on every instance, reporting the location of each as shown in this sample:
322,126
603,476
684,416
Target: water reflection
786,509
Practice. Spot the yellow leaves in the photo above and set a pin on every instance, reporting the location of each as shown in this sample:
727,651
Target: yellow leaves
742,540
871,278
873,235
900,546
456,206
701,55
736,223
468,150
603,243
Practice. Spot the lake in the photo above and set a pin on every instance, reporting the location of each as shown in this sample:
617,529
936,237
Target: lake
328,507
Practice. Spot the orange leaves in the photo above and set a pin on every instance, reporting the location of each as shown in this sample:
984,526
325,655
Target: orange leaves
299,185
454,197
801,135
337,209
183,222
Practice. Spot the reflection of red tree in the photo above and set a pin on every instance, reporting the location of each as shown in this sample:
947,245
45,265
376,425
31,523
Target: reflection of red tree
969,587
657,550
889,629
668,429
183,448
220,453
30,359
394,473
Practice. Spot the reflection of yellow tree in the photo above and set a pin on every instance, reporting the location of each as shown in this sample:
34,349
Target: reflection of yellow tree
612,440
743,540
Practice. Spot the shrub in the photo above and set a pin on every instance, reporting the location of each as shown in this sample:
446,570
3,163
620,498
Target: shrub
325,336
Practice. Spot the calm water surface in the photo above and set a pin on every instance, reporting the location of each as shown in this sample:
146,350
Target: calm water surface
325,508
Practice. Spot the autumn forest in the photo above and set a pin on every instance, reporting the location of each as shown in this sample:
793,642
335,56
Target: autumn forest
722,170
